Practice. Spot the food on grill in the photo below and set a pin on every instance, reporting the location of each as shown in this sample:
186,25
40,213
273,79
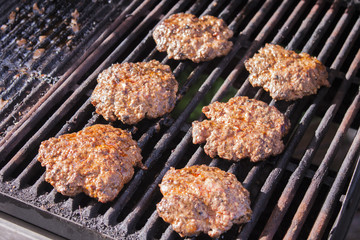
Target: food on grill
203,199
184,36
97,160
285,74
241,128
132,91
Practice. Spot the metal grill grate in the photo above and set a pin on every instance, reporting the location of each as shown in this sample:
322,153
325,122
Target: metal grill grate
284,189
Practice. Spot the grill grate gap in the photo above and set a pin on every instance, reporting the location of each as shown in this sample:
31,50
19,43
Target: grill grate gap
285,224
267,13
319,15
36,172
330,28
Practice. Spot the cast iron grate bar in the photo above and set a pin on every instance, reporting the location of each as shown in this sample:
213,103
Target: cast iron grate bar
295,180
334,193
306,24
348,207
274,177
312,191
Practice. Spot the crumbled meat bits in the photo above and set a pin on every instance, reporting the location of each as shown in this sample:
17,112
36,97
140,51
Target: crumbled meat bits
132,91
203,199
97,160
184,36
285,74
241,128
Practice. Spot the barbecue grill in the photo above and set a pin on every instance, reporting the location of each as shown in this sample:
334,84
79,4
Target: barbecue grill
51,54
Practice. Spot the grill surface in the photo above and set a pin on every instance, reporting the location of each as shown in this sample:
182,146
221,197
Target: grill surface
284,189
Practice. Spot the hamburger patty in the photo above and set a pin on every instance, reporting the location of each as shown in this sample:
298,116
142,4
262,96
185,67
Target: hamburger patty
241,128
285,74
203,199
184,36
97,160
132,91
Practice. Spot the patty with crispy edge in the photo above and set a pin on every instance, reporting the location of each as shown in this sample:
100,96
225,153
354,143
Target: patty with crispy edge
97,160
184,36
241,128
285,74
203,199
132,91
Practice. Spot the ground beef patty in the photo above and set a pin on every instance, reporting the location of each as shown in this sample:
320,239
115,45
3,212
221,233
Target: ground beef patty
241,128
203,199
132,91
97,160
285,74
184,36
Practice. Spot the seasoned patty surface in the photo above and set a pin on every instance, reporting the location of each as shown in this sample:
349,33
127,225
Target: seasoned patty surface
184,36
132,91
203,199
285,74
241,128
97,160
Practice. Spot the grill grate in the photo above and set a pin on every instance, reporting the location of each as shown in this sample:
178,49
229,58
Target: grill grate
281,188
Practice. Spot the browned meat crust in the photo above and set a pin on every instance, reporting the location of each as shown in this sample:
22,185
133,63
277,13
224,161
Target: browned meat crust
241,128
184,36
132,91
97,160
203,199
285,74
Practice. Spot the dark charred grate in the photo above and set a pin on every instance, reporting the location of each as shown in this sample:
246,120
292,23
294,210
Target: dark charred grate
41,40
287,182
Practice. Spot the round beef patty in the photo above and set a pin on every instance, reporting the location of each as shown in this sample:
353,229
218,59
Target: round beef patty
285,74
184,36
97,160
132,91
241,128
203,199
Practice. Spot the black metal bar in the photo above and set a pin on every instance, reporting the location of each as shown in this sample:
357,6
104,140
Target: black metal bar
312,191
349,206
275,175
306,25
322,27
296,178
334,194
